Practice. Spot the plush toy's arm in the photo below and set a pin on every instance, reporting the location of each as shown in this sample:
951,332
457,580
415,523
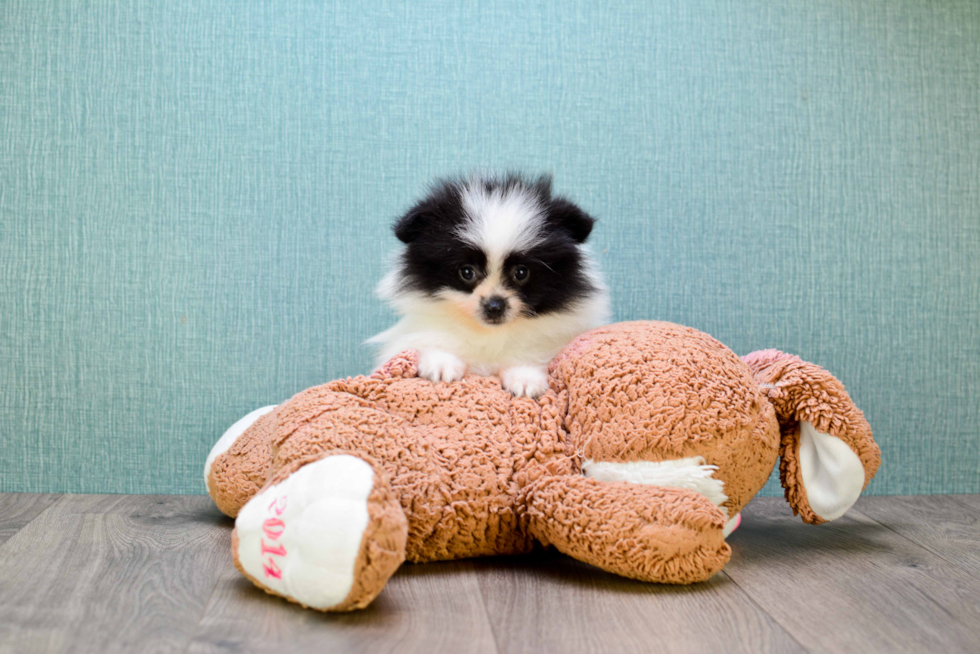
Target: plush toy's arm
667,535
827,454
239,462
404,364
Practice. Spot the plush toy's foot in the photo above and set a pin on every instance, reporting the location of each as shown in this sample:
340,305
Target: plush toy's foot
651,533
327,535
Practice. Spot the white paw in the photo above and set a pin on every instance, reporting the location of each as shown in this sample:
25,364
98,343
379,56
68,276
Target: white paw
525,380
436,365
301,537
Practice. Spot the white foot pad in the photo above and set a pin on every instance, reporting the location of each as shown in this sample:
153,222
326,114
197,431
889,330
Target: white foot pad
301,538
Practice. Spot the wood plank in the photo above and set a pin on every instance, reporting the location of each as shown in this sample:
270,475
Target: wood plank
941,524
972,501
428,609
549,602
124,573
18,509
111,573
852,585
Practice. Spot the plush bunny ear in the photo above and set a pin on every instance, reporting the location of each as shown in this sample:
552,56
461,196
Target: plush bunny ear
827,454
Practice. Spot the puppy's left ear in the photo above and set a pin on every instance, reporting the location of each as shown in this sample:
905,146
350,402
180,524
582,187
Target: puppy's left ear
573,220
410,226
543,185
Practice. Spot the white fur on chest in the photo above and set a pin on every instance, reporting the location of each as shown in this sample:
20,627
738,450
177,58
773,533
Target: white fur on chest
486,349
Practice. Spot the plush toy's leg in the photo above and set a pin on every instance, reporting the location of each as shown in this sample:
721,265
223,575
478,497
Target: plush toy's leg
667,535
326,532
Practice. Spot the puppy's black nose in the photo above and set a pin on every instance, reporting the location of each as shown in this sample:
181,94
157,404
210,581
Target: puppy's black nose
494,308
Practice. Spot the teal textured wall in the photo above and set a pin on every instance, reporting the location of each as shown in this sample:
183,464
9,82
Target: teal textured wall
195,200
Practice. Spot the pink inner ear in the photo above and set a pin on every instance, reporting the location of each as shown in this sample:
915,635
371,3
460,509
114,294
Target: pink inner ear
738,522
832,472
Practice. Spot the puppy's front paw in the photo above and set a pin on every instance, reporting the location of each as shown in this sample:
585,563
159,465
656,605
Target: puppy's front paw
525,380
436,365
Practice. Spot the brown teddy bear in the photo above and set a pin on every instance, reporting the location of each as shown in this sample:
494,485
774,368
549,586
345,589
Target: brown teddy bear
638,460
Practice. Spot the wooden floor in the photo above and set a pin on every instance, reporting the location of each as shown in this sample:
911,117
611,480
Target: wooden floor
116,573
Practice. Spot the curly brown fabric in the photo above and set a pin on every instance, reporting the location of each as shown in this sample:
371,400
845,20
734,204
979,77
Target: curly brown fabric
803,391
668,535
242,471
652,391
476,471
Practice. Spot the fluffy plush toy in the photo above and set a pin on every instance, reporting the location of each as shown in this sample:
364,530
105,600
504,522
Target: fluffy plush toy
638,460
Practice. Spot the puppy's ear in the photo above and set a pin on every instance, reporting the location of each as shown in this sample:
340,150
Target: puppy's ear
410,226
543,185
572,219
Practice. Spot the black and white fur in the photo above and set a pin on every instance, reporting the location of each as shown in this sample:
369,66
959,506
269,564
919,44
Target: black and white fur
493,279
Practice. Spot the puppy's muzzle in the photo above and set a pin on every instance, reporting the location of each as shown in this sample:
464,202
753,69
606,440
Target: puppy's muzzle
494,309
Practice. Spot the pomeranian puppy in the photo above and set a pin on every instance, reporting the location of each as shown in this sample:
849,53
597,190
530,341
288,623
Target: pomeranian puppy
493,279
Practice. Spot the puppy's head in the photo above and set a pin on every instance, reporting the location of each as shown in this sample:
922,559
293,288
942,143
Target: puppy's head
494,249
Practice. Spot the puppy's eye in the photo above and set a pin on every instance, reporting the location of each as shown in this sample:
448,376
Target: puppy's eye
520,274
467,273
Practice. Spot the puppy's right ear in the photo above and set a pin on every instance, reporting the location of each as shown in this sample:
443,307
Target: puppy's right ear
410,226
570,217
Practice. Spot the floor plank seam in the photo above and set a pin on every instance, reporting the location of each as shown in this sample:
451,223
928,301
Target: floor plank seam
751,599
61,497
939,555
483,602
204,612
972,509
